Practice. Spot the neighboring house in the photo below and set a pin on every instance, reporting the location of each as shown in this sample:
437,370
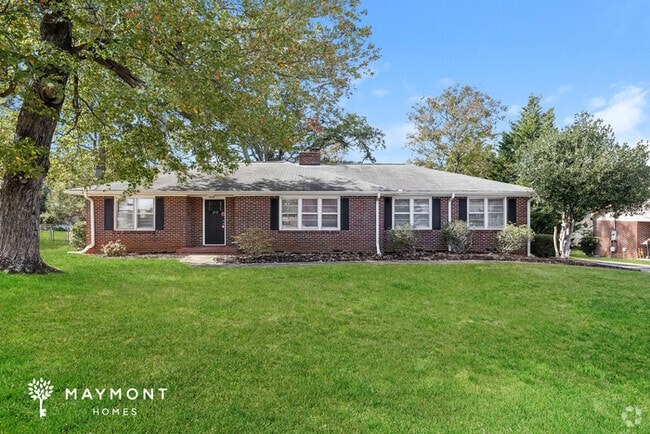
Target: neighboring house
305,207
624,237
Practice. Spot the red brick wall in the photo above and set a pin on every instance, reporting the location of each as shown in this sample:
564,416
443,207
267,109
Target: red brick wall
174,235
628,238
643,234
184,227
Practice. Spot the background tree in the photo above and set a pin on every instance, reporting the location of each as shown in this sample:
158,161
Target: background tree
581,169
145,87
532,123
335,133
455,131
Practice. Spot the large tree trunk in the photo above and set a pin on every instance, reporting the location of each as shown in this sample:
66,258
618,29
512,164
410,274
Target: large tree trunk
20,192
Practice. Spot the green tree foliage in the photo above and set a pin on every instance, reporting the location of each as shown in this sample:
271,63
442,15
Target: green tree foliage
581,169
455,131
144,87
335,133
532,123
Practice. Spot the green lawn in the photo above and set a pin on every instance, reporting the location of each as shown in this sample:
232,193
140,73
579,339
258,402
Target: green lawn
495,347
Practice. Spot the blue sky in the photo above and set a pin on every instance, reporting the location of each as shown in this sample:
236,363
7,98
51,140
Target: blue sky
591,55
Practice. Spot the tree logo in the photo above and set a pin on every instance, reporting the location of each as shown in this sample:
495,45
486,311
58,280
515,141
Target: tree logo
631,416
40,390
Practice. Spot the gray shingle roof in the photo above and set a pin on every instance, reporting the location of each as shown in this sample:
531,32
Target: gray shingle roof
272,178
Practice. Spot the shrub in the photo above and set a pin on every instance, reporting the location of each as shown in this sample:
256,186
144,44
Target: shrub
457,236
78,235
114,248
402,239
589,244
254,241
542,246
513,238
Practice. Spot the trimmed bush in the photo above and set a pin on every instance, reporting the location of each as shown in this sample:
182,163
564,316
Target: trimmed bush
78,235
513,238
542,246
402,239
254,241
114,248
589,244
457,236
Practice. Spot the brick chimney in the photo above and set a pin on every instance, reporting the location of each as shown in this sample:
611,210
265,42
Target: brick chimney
310,157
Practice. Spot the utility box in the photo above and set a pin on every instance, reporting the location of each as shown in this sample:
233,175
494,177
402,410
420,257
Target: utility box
613,235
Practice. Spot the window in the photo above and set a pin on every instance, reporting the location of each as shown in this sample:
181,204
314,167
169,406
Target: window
135,213
313,213
413,211
486,213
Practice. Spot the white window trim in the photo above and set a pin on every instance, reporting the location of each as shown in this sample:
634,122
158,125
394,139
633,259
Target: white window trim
320,214
485,213
412,211
135,214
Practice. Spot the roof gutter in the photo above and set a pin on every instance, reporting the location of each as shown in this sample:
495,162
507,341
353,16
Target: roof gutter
92,224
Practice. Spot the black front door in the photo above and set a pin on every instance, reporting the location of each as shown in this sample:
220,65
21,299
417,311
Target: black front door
215,222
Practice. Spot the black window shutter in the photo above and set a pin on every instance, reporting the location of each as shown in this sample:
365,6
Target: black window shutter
275,213
435,213
345,214
462,209
512,210
160,213
108,213
388,212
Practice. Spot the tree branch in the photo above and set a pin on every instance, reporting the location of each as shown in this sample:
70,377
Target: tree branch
121,71
9,90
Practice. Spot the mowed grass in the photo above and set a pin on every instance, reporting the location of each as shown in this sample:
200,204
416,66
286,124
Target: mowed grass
474,347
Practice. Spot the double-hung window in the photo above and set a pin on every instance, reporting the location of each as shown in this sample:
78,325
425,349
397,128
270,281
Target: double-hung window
309,213
135,213
486,213
412,211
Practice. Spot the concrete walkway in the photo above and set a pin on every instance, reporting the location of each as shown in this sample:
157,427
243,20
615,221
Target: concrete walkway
212,260
621,265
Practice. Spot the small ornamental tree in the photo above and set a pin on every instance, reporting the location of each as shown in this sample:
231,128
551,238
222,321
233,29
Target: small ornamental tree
581,169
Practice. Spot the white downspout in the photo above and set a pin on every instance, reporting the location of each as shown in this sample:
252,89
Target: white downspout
453,196
92,224
377,244
449,205
529,253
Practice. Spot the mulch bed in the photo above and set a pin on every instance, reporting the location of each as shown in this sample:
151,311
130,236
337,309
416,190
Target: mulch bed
423,256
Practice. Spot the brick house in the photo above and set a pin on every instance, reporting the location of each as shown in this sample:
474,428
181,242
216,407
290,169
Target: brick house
304,206
624,237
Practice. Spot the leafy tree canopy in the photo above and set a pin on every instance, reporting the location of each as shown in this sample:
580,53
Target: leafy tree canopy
143,87
455,130
582,169
174,85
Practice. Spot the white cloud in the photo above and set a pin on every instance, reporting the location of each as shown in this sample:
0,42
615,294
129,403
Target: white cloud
446,82
562,90
380,93
596,103
626,113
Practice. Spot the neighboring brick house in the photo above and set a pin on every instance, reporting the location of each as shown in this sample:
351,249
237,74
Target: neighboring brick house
305,207
624,237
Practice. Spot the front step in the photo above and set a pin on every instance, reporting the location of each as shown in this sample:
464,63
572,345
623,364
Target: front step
223,250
